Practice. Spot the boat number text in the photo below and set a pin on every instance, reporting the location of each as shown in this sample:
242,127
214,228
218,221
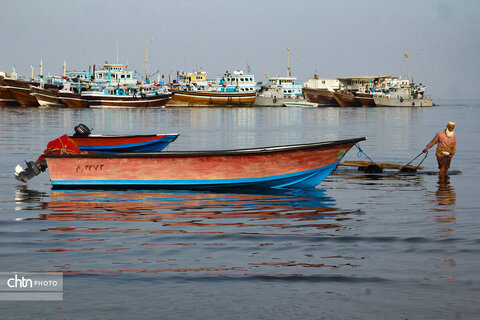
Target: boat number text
89,168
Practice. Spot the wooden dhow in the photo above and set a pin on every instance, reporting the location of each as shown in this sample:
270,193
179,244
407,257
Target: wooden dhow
6,97
21,91
229,89
209,99
47,97
321,96
138,100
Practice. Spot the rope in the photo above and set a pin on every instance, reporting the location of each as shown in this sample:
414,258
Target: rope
360,152
426,154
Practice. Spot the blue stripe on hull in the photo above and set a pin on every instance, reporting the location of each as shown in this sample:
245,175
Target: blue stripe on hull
147,146
304,179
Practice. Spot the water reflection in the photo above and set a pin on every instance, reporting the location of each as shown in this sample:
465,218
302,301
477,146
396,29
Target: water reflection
25,195
189,208
236,232
445,200
445,195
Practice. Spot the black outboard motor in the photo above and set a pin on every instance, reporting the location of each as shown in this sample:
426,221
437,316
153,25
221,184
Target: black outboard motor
33,169
82,131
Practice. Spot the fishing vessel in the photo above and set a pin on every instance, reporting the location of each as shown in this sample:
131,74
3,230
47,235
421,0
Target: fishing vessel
115,74
320,90
73,99
20,90
46,97
413,96
124,143
301,165
229,89
279,90
128,97
6,98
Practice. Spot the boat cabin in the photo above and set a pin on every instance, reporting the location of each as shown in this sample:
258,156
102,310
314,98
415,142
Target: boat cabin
322,83
371,83
285,84
115,74
238,81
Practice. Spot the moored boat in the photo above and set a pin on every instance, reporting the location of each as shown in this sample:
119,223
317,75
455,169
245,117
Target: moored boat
20,89
46,97
320,90
302,165
230,89
73,99
365,99
300,103
210,98
404,97
82,141
6,98
140,100
346,99
279,90
119,143
323,97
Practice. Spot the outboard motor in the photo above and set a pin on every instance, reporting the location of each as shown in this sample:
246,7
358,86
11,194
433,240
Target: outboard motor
82,131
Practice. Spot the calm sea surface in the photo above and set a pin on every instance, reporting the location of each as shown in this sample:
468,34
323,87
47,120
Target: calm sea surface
358,247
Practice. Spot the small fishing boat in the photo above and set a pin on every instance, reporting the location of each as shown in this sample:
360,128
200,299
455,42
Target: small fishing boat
300,103
301,165
133,143
83,142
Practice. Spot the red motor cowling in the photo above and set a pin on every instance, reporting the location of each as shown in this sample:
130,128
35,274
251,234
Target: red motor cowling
62,145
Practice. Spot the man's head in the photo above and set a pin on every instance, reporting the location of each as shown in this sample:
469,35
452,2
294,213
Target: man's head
449,130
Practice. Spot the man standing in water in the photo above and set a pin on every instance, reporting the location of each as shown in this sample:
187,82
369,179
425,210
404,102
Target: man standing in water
446,148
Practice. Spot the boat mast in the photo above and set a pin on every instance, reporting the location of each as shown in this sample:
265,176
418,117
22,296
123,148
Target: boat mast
117,50
41,69
289,74
146,58
406,60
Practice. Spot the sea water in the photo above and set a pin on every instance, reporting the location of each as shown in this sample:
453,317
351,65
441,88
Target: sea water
359,246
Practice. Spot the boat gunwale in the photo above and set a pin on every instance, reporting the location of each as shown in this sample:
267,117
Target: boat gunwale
233,152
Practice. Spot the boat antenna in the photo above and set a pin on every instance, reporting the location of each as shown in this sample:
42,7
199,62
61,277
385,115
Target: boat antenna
406,60
146,58
117,50
41,69
289,73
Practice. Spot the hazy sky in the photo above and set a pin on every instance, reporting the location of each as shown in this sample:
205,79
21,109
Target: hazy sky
334,38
